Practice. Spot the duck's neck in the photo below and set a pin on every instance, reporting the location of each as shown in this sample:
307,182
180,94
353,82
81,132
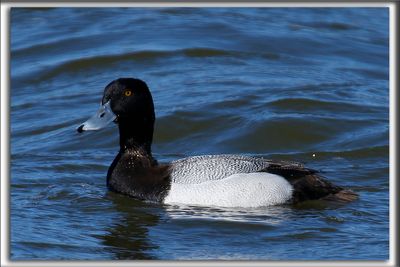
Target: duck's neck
136,134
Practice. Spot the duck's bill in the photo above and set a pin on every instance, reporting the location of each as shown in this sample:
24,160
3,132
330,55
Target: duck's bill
101,119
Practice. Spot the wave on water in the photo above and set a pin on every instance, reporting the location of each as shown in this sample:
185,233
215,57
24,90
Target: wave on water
299,84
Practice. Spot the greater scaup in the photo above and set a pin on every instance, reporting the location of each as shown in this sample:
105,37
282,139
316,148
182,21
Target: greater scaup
212,180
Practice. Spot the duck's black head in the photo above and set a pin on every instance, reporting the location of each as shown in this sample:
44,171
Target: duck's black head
128,102
129,98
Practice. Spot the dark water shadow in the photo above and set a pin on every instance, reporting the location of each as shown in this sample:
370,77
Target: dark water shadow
127,237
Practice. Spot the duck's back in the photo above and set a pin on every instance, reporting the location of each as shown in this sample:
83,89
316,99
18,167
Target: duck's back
200,169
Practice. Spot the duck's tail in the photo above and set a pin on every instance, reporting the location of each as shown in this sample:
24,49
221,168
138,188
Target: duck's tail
308,184
344,195
314,186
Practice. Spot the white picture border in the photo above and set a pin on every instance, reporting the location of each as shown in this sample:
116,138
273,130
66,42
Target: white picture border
5,135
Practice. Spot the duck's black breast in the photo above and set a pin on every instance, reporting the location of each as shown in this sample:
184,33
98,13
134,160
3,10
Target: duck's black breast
140,176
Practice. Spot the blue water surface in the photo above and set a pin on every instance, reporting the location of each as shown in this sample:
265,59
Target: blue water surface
301,84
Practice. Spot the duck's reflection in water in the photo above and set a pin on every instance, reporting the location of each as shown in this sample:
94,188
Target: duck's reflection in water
127,237
135,231
263,215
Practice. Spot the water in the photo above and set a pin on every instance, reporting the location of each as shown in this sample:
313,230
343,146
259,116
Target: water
273,82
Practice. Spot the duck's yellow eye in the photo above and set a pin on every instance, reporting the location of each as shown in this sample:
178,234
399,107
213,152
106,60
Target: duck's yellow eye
128,92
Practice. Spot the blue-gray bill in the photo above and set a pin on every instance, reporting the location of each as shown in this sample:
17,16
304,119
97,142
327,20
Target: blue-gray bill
102,118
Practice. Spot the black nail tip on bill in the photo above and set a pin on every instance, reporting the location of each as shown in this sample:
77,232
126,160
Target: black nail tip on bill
80,129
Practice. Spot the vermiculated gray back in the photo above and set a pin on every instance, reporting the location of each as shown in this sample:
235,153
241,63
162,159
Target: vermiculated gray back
199,169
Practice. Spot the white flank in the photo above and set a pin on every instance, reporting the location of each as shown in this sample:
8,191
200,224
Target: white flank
238,190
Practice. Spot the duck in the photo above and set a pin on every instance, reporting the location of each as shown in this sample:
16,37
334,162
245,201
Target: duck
225,180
